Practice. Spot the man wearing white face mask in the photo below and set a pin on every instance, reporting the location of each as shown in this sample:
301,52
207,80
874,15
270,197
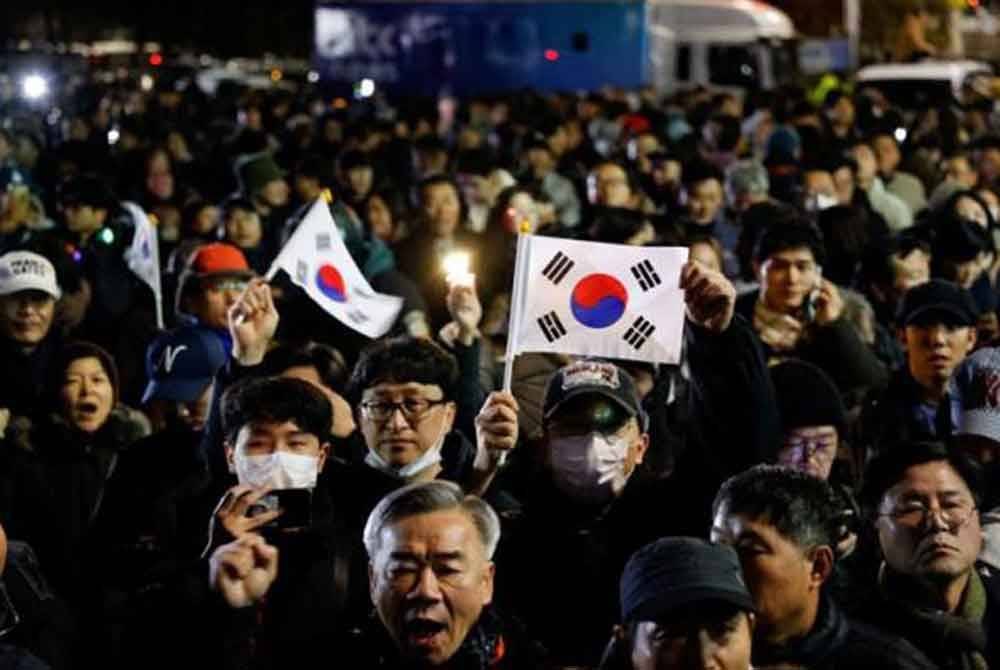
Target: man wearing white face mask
593,501
276,430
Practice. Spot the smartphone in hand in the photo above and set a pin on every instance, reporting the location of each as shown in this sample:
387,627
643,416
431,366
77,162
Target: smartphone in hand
295,506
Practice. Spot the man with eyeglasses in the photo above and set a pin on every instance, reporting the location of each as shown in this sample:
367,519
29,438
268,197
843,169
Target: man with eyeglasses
924,499
784,526
215,277
405,391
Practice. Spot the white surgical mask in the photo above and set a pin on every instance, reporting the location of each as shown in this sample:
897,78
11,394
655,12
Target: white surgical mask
427,459
589,468
820,201
277,470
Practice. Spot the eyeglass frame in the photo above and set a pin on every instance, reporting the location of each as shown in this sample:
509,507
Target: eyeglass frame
896,516
393,407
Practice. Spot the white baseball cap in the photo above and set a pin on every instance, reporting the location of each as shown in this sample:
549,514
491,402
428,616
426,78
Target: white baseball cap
27,271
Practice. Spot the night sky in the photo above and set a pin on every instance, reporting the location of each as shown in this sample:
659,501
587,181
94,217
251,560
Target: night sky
222,27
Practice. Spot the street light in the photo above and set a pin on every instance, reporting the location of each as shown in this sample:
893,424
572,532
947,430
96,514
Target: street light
34,86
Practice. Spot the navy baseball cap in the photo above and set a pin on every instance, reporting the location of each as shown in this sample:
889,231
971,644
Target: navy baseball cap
181,363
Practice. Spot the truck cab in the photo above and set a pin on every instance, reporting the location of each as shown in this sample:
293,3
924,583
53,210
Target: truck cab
740,44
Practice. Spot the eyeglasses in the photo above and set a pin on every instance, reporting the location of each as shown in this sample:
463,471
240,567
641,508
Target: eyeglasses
226,284
913,515
414,409
807,447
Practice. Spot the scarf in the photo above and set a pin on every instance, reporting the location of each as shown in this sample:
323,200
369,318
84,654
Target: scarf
778,331
952,640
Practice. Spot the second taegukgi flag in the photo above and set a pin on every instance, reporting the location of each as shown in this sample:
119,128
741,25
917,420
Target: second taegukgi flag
595,299
316,259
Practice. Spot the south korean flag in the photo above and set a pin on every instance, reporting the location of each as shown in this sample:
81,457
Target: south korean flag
595,299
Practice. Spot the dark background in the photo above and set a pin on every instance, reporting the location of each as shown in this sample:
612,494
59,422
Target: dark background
220,27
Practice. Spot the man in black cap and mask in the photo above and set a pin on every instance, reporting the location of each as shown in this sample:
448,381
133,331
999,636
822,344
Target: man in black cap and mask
590,503
937,328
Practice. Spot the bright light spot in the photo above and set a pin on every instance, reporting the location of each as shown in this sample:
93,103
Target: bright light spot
551,55
156,59
365,88
276,74
113,136
312,77
34,87
456,264
146,82
900,135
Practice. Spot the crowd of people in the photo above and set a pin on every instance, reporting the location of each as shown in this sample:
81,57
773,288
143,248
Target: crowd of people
257,485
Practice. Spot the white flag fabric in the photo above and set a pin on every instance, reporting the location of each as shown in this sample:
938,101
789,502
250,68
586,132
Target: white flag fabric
143,255
316,259
596,299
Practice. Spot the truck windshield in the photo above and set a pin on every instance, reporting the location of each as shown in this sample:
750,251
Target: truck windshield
733,65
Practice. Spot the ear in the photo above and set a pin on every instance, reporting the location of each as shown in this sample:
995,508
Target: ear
973,335
324,451
822,566
230,453
449,416
489,572
371,581
640,446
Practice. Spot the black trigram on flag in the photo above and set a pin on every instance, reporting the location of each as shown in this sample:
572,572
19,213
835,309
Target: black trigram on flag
645,275
551,326
558,267
638,333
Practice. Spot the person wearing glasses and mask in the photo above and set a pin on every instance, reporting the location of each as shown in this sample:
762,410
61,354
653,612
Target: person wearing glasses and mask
405,392
931,589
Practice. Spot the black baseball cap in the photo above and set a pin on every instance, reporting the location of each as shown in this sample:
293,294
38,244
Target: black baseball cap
674,572
593,377
938,301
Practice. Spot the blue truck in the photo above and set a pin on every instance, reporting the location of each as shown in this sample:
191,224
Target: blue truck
479,47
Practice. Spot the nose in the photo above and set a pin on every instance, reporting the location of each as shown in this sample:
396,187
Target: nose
231,296
938,334
701,650
427,586
934,519
396,420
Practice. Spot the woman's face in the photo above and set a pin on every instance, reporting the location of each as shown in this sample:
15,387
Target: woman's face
379,218
206,220
87,394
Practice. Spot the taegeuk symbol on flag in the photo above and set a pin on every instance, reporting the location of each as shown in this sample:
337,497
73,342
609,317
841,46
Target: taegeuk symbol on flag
596,299
316,259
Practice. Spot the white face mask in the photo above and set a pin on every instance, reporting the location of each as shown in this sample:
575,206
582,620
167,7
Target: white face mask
820,201
278,470
589,468
427,459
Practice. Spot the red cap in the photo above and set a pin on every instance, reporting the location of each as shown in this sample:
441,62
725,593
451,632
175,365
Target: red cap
219,258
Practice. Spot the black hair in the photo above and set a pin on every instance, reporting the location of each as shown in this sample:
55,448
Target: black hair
802,508
395,202
314,166
277,399
793,234
237,202
699,170
403,360
877,267
847,234
74,351
889,466
328,362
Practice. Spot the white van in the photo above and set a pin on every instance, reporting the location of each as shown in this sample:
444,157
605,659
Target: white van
913,85
729,43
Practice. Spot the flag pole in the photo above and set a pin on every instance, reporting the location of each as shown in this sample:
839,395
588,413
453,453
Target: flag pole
513,318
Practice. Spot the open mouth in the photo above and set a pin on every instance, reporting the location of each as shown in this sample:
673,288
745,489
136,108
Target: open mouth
424,632
86,408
